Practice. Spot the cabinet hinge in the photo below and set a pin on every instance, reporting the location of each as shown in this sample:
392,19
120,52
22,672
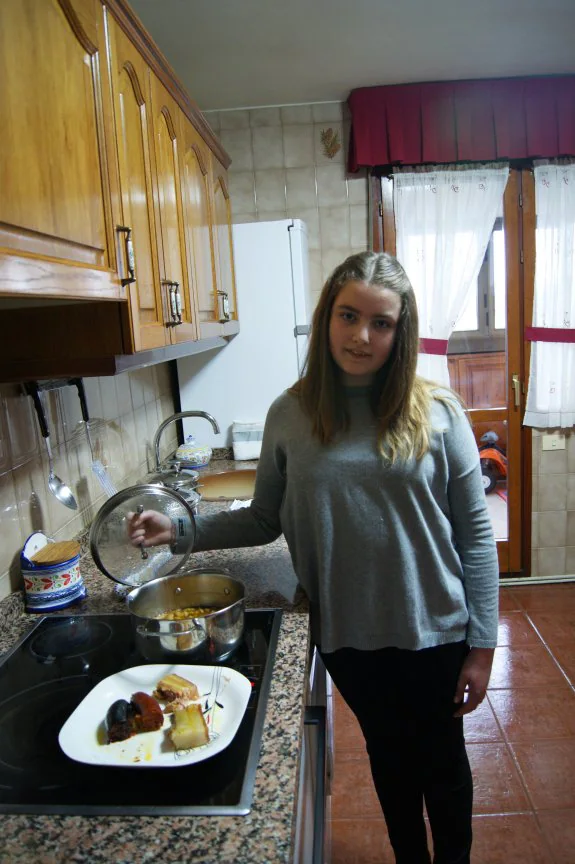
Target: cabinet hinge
520,200
521,255
380,209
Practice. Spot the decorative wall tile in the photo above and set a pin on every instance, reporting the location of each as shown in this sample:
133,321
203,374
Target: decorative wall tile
271,189
268,147
265,117
298,146
325,134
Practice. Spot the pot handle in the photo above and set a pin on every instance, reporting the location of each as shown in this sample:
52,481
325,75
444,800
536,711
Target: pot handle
142,630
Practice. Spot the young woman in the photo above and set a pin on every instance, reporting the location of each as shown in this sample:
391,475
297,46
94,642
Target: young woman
372,474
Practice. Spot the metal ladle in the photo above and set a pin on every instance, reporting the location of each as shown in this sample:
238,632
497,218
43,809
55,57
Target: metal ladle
56,486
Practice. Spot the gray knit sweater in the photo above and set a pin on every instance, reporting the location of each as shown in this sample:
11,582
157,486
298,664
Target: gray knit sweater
390,555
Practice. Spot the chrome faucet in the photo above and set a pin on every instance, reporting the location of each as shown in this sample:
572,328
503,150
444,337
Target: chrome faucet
179,416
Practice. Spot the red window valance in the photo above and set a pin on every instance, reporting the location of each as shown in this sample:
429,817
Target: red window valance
463,121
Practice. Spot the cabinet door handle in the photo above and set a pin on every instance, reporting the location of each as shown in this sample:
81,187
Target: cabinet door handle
172,286
130,259
178,298
225,305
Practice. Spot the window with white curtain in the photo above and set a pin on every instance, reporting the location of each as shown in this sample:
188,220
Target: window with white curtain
551,392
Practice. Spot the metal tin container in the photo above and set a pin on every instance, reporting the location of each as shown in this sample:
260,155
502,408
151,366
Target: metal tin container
211,637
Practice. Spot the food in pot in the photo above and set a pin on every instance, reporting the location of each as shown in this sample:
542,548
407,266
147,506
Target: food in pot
189,728
188,612
124,719
177,691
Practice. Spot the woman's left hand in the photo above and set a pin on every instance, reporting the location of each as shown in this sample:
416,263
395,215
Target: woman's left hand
473,680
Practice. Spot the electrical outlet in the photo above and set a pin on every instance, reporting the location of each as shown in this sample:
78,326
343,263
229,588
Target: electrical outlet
553,441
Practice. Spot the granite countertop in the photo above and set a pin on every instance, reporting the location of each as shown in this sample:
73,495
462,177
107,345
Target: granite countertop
265,835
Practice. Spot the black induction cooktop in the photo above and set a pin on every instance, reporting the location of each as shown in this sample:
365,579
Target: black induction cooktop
50,671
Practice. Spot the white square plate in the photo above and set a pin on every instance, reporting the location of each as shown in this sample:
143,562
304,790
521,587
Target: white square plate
224,697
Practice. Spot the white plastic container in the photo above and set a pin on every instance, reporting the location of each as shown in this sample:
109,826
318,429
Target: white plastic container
247,440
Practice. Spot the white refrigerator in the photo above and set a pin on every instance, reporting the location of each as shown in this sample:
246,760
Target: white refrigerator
238,383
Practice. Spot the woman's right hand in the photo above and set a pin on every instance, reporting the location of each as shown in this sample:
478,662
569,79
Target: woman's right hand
149,528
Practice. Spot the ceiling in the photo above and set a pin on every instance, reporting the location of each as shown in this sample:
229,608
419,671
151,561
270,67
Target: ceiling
248,53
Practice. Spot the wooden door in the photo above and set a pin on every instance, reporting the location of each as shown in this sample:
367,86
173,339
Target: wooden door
196,178
223,243
55,199
167,125
132,112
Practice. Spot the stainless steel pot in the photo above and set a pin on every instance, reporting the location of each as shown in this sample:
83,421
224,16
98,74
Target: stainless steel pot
191,640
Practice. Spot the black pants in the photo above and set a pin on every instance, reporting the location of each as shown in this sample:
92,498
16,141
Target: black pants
403,701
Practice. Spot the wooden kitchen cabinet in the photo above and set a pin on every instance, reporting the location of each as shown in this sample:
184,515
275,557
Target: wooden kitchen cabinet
132,109
115,188
56,233
167,126
223,247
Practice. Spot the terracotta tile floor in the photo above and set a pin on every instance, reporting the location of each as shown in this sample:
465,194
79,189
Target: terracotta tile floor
521,745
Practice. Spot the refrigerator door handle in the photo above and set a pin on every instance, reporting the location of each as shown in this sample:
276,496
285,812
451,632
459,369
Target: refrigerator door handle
302,330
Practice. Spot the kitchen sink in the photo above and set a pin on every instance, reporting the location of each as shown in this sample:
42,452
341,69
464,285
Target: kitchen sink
227,485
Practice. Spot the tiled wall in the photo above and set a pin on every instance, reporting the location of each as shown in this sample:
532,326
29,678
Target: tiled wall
280,169
553,522
125,409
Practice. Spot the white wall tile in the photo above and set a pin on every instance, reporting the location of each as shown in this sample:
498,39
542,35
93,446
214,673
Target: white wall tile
298,146
24,439
334,227
234,119
327,112
267,147
238,144
271,215
331,185
357,188
124,393
552,528
292,114
10,521
265,117
270,189
332,258
109,398
358,226
238,218
301,187
552,561
242,190
315,272
213,119
309,215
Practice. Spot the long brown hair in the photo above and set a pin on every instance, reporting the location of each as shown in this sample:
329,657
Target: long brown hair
400,400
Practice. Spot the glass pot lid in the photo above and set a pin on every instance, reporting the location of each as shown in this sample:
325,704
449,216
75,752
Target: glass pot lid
114,553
